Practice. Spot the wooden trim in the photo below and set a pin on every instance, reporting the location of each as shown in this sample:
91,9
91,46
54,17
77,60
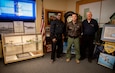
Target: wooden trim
78,3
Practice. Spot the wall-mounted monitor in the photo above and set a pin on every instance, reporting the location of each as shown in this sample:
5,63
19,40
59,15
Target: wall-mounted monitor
18,10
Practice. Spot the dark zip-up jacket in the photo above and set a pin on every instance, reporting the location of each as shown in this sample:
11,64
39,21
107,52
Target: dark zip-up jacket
57,28
90,28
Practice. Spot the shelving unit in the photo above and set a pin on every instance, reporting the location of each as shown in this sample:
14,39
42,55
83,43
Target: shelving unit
20,46
48,39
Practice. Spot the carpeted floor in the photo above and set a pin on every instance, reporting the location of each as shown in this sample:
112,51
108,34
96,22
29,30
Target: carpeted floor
43,65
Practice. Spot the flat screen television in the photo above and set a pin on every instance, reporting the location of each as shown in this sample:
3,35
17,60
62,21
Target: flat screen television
17,10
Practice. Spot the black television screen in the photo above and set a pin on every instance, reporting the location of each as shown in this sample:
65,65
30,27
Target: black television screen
17,10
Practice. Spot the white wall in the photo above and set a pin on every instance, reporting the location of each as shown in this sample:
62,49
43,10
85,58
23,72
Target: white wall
71,5
93,7
108,8
64,5
103,15
55,4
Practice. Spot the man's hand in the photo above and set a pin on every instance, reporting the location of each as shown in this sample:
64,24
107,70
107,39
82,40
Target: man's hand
54,40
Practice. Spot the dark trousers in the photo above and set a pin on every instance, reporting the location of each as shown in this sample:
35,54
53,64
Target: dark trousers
87,46
57,49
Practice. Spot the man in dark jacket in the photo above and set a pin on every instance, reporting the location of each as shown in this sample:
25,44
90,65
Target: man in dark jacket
90,27
57,29
74,32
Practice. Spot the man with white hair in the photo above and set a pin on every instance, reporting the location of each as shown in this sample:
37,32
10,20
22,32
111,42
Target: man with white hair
90,27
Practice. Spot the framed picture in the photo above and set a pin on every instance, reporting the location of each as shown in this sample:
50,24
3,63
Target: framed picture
18,27
29,27
85,12
108,33
106,60
51,15
6,27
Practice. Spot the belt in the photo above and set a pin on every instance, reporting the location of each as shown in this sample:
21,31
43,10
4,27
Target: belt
73,37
